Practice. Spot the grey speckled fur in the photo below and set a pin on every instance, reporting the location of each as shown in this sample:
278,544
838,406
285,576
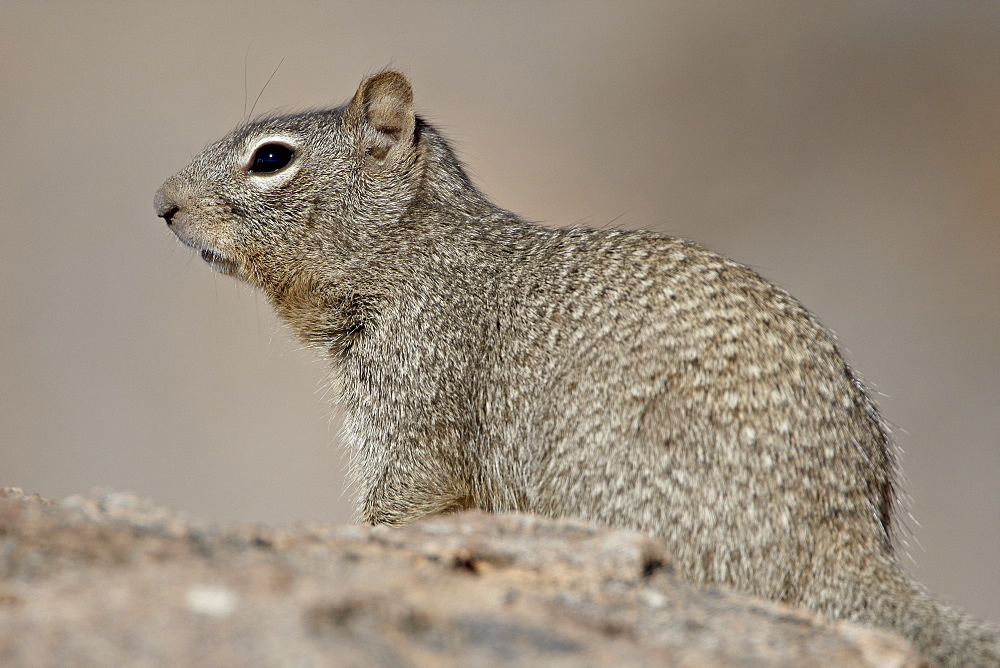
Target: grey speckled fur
628,378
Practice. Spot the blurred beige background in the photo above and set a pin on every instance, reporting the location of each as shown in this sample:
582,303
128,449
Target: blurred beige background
849,151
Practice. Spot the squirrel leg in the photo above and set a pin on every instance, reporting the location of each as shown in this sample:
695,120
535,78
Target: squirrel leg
400,494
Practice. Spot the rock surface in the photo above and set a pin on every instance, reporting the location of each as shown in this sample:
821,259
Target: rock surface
111,579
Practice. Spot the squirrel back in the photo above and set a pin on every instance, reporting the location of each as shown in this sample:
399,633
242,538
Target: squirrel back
624,377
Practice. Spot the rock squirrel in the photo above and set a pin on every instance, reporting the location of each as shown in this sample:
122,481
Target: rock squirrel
624,377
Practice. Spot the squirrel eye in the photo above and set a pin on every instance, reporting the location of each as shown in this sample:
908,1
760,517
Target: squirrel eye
271,158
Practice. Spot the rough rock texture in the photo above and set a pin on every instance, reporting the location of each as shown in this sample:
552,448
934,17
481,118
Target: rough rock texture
111,579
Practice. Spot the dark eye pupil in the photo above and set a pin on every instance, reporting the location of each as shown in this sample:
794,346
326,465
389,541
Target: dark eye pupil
271,158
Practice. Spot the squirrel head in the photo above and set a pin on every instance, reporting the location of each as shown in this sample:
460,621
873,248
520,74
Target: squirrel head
282,195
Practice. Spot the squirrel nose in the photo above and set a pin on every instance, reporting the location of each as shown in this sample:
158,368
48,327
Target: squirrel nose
164,207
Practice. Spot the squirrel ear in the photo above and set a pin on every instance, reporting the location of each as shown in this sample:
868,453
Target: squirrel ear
383,110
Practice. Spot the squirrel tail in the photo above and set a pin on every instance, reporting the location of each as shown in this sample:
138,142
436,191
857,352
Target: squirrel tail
941,634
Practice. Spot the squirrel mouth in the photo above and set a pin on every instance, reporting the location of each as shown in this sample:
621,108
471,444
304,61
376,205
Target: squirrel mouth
217,262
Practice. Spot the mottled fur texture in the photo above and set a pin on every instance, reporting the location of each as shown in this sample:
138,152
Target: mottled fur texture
629,378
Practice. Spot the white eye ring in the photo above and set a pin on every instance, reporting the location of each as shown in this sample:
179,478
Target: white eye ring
271,160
